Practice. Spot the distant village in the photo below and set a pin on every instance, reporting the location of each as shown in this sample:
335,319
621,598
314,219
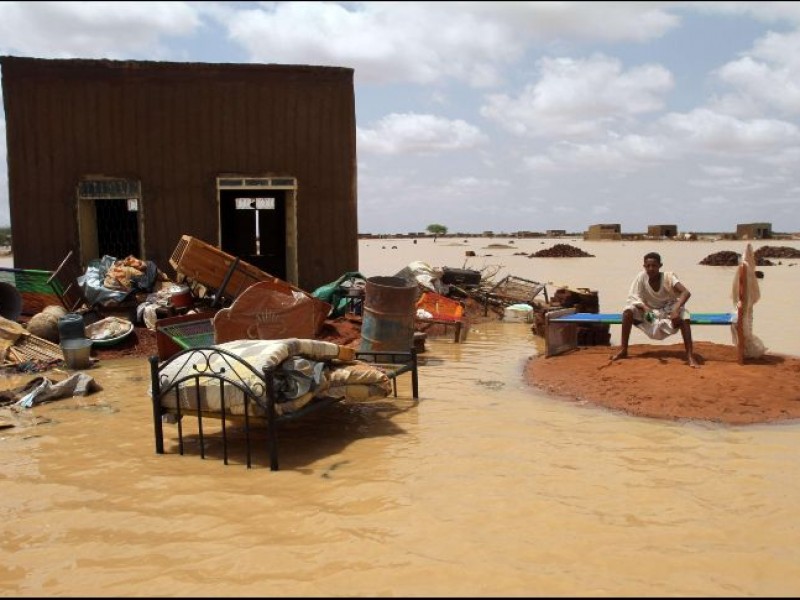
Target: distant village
613,232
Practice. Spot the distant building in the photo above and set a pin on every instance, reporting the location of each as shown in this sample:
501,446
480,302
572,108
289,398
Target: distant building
754,231
556,232
669,231
603,232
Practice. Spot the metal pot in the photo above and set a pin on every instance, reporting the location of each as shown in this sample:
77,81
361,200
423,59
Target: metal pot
182,297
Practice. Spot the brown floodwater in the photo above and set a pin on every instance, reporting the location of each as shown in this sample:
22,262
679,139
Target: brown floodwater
484,487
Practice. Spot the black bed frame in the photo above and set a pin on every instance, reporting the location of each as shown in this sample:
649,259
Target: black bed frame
395,363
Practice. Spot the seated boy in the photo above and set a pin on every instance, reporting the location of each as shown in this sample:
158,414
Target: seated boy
656,306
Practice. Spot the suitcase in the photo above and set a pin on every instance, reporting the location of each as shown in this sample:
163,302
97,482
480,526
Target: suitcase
461,277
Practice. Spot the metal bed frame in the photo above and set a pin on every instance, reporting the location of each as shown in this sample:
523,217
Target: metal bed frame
394,363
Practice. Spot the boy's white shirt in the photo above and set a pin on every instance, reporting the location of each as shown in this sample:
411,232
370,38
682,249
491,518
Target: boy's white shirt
660,303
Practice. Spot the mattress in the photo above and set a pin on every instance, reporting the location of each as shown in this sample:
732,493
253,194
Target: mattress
305,369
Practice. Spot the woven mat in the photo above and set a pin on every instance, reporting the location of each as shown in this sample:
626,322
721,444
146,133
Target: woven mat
32,347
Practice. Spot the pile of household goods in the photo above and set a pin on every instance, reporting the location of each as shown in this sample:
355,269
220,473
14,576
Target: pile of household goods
216,297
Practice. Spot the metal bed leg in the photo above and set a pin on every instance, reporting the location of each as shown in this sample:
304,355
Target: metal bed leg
199,417
224,427
155,395
247,429
272,426
414,374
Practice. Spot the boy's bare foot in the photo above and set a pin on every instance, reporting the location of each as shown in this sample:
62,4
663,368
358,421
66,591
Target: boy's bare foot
619,355
693,363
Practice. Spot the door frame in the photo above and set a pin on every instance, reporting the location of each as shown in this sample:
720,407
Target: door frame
266,183
93,189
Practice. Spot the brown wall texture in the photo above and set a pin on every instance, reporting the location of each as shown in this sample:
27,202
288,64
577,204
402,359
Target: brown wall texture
176,127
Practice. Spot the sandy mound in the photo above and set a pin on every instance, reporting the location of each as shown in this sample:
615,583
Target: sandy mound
655,381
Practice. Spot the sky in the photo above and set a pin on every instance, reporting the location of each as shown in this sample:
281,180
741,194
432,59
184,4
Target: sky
506,116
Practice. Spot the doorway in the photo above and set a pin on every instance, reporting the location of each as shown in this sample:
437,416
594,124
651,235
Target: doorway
109,219
258,224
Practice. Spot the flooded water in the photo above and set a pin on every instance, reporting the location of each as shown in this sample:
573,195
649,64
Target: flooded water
482,488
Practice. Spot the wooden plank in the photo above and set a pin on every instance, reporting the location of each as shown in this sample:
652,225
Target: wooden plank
559,337
740,312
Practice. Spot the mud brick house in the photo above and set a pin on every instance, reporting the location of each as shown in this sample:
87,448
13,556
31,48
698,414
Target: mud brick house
124,157
669,231
753,231
603,231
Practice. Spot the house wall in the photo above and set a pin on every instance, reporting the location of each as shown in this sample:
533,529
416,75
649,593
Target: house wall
662,230
754,231
603,232
176,127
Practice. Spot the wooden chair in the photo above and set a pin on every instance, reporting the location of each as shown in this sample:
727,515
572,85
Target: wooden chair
64,283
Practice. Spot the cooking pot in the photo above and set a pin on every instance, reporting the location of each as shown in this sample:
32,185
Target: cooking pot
182,297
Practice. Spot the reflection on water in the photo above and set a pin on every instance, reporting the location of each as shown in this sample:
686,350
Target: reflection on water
485,487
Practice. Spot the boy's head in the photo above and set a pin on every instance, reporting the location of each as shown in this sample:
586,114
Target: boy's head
652,263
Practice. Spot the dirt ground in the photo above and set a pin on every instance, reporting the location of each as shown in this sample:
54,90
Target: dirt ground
655,381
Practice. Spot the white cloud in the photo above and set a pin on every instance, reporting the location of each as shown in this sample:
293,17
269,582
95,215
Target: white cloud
563,209
461,186
591,115
721,171
779,48
764,78
580,97
619,153
621,21
92,29
788,157
541,163
423,42
733,184
709,131
774,86
714,200
382,41
418,134
762,11
736,104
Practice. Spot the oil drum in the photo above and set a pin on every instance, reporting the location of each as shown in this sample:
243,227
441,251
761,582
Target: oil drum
388,314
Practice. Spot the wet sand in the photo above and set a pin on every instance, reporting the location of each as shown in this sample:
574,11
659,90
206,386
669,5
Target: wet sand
656,381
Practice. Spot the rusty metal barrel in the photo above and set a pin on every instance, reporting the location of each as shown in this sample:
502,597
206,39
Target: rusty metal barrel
388,314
